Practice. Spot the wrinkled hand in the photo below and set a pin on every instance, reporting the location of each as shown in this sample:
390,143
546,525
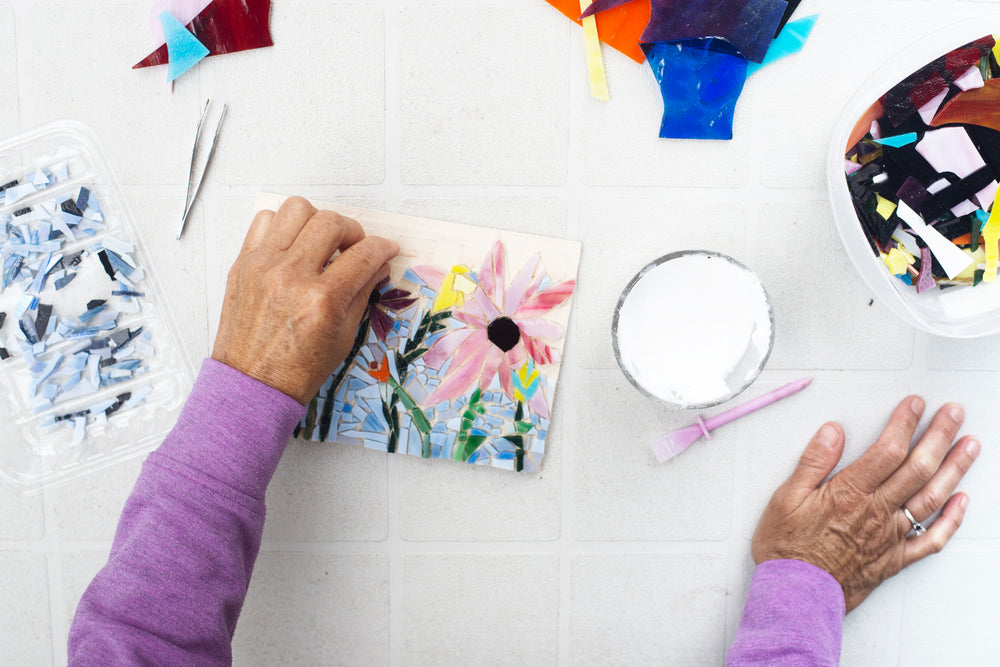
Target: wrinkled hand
289,318
853,525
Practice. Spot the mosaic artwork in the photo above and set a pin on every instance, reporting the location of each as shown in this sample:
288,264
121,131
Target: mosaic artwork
458,352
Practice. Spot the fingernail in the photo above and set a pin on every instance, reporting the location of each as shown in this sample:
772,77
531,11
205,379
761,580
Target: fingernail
956,412
827,436
963,502
972,448
917,406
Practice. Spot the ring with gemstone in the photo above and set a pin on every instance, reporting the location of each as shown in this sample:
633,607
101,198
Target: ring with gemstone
918,528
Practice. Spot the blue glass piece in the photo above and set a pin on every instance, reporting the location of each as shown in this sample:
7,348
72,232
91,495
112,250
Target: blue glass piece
373,424
700,81
65,280
183,49
118,263
92,313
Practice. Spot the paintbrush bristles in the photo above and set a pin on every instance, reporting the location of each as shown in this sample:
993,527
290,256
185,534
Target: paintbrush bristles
674,443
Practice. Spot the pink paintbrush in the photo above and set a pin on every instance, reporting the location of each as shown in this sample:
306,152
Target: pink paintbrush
675,442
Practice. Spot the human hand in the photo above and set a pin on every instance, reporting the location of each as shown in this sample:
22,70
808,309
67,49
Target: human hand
290,314
853,525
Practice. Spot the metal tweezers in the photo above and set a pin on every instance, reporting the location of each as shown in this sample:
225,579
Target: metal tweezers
190,197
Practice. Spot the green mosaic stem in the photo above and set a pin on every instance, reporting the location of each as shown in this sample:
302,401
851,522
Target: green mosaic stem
467,444
413,350
521,427
418,416
331,396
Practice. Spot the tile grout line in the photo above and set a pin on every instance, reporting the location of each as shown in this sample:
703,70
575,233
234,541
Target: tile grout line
575,191
391,181
53,557
735,542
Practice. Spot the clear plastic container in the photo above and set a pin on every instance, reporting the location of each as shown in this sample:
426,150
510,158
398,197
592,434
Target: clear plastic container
957,312
41,445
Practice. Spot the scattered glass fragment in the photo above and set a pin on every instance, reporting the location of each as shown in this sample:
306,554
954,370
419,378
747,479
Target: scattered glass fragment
898,141
700,86
979,106
790,40
930,147
224,26
595,63
752,31
620,27
183,10
748,25
77,351
184,49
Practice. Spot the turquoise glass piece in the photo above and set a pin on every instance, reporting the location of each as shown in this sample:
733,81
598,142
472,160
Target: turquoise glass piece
184,49
789,41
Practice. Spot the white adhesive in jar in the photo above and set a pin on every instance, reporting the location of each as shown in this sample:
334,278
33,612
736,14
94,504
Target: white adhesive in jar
693,328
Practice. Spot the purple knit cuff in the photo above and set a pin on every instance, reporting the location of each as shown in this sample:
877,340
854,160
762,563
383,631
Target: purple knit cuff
793,615
234,426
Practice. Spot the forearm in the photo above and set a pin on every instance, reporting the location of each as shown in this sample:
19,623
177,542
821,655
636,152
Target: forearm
190,531
793,616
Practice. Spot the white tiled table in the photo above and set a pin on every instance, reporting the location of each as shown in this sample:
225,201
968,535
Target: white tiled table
478,111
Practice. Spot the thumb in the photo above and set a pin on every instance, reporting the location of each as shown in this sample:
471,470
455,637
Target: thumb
818,460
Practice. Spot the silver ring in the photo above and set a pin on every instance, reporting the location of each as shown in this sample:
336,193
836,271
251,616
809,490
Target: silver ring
918,528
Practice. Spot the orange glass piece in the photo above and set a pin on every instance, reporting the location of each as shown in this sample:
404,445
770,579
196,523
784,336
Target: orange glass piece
619,28
864,124
980,106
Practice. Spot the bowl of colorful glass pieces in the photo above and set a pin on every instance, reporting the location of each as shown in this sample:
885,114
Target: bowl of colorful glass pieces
913,174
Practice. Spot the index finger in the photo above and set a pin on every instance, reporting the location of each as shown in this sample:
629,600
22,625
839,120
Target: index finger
359,263
890,450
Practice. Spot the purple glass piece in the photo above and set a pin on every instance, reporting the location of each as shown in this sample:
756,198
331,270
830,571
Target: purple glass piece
913,193
749,25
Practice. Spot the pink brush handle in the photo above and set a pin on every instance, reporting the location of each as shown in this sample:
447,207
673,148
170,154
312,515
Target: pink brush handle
756,403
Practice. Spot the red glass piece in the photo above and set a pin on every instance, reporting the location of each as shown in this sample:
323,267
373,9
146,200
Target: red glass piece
903,100
225,26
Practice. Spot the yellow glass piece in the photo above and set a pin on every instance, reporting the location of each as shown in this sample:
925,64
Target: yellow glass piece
454,289
991,237
898,261
526,378
885,207
595,63
978,258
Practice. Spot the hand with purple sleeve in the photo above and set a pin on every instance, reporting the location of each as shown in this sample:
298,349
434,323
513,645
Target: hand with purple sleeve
290,314
189,533
822,547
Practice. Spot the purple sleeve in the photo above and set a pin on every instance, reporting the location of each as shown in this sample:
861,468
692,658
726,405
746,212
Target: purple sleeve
793,615
189,534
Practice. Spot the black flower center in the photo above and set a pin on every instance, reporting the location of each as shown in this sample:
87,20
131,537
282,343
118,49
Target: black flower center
503,333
